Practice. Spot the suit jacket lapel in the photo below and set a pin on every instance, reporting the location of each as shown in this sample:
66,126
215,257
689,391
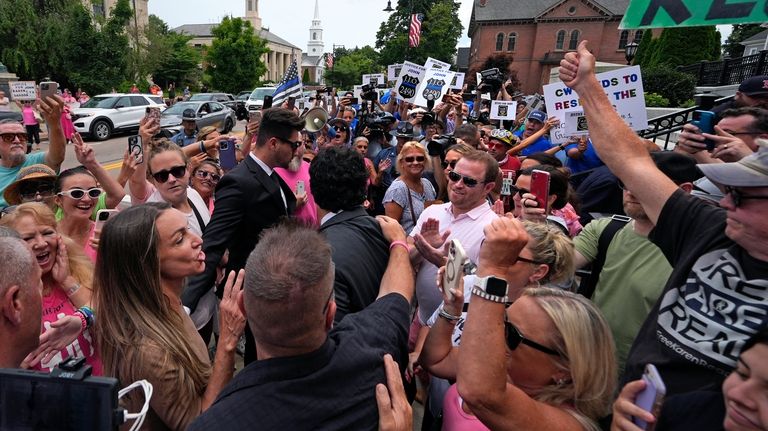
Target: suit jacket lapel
268,183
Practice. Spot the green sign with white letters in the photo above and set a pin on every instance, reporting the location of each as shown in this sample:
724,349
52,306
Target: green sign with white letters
680,13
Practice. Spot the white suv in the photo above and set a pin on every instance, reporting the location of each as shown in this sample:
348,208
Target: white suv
106,114
256,99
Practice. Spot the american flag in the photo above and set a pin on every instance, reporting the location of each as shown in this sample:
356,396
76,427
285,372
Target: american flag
290,86
329,60
414,35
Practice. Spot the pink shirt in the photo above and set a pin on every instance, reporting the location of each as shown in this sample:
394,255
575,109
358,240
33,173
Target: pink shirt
55,306
28,115
455,418
468,229
308,212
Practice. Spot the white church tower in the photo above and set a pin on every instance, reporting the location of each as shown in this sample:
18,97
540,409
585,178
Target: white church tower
315,45
252,14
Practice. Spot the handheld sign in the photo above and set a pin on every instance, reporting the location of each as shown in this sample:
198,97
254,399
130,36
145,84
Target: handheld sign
433,86
436,64
374,79
458,81
503,110
23,90
393,71
682,13
411,75
575,123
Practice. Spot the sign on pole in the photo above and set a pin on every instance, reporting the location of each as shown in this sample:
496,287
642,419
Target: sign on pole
458,81
23,90
434,85
624,88
503,110
374,79
411,75
680,13
436,64
393,71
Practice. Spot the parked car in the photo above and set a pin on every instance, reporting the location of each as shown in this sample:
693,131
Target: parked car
225,99
240,99
256,99
106,114
207,113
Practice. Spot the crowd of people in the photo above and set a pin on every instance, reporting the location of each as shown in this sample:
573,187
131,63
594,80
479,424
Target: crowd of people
328,260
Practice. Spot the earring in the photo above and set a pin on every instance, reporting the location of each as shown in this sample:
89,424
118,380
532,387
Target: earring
560,381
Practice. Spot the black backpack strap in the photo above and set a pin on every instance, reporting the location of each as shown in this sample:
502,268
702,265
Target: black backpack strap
589,283
197,216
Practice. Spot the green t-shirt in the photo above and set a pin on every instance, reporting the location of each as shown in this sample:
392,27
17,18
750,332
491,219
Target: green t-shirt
633,277
100,205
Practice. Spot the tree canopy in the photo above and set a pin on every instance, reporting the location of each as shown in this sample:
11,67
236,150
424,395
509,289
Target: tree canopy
675,47
732,47
234,58
350,65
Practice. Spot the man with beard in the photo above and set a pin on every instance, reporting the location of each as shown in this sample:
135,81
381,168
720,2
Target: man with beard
752,91
13,144
249,199
295,174
635,270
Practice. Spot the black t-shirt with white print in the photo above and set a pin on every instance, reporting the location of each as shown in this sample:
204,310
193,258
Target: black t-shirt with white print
714,300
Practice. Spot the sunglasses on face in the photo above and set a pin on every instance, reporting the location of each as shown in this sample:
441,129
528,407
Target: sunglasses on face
205,174
411,159
446,163
78,193
294,144
29,192
514,337
176,171
737,196
8,137
468,181
339,128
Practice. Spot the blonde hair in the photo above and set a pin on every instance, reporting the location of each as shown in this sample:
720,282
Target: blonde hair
550,246
412,146
586,344
160,146
80,266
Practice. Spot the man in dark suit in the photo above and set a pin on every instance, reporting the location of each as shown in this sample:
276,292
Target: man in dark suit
360,252
249,199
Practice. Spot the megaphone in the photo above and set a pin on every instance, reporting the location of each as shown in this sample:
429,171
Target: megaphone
315,119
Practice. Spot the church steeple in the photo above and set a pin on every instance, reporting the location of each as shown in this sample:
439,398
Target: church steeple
315,46
252,14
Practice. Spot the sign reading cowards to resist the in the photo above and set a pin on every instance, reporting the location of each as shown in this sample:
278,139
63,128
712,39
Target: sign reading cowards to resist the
677,13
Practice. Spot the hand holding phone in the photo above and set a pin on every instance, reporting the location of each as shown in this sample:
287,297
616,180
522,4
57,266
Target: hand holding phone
48,89
102,216
300,188
540,188
652,396
705,121
136,148
453,277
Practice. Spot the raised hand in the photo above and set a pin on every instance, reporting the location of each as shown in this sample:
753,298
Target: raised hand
83,152
60,270
232,319
391,229
577,67
505,237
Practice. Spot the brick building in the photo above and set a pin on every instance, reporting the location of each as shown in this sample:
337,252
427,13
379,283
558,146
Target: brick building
538,33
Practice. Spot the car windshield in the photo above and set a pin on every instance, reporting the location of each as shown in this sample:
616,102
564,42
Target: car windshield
179,108
243,96
259,93
200,97
103,102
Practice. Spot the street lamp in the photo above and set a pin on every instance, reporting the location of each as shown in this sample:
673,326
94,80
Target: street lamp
389,6
629,52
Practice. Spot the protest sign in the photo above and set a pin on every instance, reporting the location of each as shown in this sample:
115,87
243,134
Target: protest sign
411,75
374,79
458,81
575,123
436,64
433,86
624,88
23,90
393,71
357,90
680,13
503,110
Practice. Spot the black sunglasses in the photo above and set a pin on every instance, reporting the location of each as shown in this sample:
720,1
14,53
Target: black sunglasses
293,144
411,159
176,171
737,195
468,181
30,190
514,337
446,163
205,174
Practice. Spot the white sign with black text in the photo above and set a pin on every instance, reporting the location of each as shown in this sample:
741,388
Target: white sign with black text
23,90
503,110
411,75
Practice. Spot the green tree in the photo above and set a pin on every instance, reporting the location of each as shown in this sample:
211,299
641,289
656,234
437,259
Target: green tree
676,46
305,77
168,57
234,59
740,32
645,49
440,32
349,68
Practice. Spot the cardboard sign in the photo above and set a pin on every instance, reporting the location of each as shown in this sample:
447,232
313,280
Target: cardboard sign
680,13
436,64
357,90
458,81
503,110
411,75
374,79
393,71
624,88
575,123
23,90
433,86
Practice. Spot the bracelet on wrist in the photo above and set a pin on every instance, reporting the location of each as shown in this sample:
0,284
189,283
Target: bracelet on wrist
446,315
400,243
202,146
88,315
83,321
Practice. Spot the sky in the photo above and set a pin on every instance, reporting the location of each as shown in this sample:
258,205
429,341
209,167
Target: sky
345,22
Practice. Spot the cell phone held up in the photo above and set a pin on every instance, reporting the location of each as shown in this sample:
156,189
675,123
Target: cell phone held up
652,397
227,156
453,277
705,121
540,188
136,148
48,89
153,113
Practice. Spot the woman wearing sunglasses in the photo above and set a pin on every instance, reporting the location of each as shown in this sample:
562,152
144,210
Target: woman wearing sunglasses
66,286
205,177
558,208
546,260
544,362
341,129
407,196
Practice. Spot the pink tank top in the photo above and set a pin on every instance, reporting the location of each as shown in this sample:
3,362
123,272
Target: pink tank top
55,306
455,418
28,115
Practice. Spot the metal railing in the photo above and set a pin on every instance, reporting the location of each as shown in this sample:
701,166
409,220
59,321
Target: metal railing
728,71
664,126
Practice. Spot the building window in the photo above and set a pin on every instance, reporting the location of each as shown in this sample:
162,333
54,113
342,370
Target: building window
499,41
250,5
560,40
574,42
638,36
572,10
623,39
752,51
314,36
511,41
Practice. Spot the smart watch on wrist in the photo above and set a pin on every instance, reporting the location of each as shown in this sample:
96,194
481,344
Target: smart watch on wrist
491,288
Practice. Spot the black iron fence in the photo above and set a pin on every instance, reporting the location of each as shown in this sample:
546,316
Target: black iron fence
663,127
728,71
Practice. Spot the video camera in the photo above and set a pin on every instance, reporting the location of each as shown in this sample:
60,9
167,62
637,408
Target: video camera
368,92
491,80
68,398
439,145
